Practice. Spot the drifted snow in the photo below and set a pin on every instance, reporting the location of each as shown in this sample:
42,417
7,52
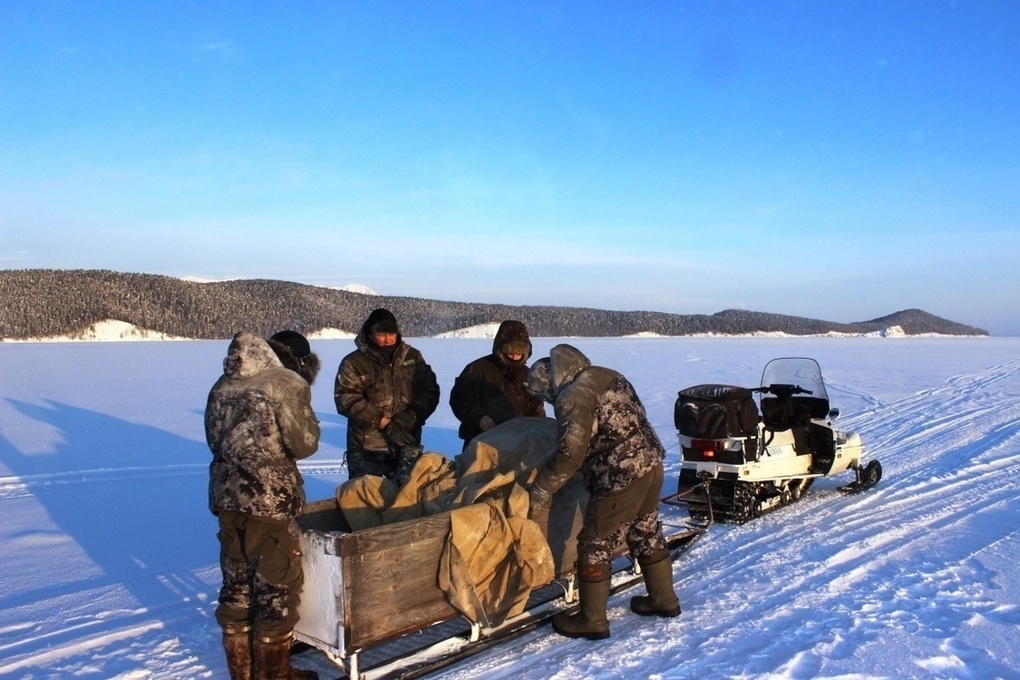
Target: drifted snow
357,288
485,330
109,330
108,556
331,334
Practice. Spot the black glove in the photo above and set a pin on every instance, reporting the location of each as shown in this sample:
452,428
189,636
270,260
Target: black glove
399,431
403,420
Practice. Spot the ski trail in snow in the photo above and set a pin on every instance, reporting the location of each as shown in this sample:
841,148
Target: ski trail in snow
91,623
22,486
941,478
817,582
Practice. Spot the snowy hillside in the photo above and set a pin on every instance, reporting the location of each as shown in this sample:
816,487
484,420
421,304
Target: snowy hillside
111,330
108,559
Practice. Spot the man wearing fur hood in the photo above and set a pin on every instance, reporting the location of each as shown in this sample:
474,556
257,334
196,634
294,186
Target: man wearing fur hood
493,389
259,422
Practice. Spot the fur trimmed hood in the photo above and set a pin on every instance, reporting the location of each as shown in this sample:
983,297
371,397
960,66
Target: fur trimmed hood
248,355
307,366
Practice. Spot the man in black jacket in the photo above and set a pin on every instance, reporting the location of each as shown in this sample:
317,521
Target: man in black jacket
493,389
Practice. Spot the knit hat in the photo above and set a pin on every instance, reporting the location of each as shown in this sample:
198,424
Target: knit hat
381,321
294,341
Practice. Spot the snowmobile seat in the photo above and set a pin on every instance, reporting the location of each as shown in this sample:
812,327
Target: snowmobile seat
782,414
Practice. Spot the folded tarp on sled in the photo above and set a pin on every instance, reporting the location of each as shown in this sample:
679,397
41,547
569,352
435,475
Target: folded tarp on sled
493,556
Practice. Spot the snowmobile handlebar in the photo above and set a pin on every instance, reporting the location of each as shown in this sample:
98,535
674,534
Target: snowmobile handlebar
782,390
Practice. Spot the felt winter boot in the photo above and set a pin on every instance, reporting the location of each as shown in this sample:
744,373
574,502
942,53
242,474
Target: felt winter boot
661,599
272,659
237,645
590,621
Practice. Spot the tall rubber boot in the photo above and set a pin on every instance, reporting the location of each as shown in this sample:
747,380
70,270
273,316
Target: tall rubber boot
590,621
237,645
661,599
272,659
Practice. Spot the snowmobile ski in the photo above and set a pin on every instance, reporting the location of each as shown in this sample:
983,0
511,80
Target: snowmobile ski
867,477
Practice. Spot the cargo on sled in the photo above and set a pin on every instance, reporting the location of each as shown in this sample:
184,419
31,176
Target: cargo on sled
396,586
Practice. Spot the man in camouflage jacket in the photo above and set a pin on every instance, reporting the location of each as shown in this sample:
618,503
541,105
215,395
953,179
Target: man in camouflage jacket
258,423
492,389
604,432
386,391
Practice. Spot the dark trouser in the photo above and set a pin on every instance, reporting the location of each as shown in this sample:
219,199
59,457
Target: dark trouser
630,515
262,578
377,463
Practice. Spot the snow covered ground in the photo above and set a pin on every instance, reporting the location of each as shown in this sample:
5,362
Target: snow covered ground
108,556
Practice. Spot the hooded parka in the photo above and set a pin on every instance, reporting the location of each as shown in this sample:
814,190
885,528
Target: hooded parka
372,383
258,423
603,428
494,385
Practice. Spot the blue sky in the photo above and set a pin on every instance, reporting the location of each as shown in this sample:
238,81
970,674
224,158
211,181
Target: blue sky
840,161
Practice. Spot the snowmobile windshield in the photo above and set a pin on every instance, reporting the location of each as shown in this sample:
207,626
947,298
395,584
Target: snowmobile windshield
796,371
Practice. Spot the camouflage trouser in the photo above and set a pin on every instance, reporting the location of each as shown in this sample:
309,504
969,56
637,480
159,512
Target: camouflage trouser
262,578
630,515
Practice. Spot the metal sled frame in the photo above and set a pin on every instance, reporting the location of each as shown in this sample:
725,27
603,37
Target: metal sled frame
372,605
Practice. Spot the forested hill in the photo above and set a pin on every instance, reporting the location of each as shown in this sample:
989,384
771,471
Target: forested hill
39,303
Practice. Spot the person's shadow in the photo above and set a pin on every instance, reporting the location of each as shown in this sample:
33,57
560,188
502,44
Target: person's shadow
133,499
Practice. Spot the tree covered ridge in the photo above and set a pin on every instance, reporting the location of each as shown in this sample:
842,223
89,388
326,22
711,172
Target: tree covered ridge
41,303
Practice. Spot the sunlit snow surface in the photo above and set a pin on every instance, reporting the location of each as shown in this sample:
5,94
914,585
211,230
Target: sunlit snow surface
108,556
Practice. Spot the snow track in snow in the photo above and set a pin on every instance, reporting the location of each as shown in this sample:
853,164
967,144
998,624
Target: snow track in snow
824,581
108,553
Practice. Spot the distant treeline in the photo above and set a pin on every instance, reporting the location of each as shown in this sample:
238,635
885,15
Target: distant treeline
40,303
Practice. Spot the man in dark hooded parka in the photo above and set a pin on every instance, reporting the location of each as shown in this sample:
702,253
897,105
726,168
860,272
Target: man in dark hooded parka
493,389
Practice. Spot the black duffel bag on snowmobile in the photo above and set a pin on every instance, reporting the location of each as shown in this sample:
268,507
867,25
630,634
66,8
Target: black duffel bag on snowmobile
718,412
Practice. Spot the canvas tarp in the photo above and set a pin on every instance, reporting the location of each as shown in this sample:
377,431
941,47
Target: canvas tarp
494,556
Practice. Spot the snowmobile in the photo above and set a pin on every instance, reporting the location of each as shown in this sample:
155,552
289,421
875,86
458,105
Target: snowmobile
741,458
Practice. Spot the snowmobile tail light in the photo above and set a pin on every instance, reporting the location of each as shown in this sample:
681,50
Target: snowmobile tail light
708,447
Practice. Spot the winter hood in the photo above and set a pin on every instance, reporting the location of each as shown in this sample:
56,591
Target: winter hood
565,362
511,336
248,355
538,380
307,366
